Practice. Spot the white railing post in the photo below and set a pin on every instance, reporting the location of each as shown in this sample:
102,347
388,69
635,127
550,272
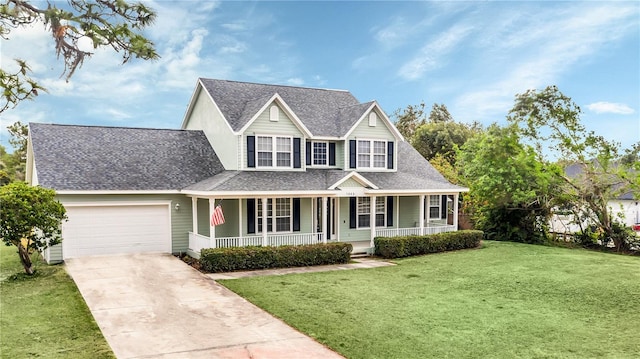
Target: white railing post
372,219
422,209
265,226
194,214
325,218
240,241
455,211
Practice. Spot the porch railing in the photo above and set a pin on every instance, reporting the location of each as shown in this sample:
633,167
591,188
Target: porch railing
393,232
198,242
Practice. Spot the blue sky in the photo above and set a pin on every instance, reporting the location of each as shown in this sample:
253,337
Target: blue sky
472,56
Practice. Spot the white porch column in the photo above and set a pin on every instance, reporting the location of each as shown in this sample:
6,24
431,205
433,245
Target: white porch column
240,241
265,220
212,228
194,214
325,219
422,205
372,219
455,211
397,212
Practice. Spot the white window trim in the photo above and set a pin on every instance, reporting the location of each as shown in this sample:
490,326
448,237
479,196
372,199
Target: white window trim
371,153
273,216
429,206
274,152
313,152
384,212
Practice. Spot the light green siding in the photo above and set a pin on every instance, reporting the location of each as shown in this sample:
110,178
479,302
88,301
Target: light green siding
205,116
350,183
379,132
409,212
181,220
263,126
306,215
203,216
340,154
230,226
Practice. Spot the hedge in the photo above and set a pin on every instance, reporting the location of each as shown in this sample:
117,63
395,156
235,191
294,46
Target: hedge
250,258
405,246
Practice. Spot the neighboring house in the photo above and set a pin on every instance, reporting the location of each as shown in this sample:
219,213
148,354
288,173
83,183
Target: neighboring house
624,209
287,165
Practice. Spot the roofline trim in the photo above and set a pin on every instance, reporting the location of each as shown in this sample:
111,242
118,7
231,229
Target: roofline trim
358,177
126,191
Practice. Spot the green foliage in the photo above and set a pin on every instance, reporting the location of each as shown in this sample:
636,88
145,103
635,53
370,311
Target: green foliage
251,258
108,23
551,120
30,219
408,121
510,192
405,246
441,138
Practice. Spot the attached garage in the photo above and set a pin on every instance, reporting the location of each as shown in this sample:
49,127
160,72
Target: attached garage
116,228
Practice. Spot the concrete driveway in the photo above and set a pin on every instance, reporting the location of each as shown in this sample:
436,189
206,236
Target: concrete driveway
156,306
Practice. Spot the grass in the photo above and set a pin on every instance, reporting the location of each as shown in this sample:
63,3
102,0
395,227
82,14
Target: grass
505,300
44,315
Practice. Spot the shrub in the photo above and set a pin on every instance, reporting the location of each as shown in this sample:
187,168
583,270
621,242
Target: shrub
251,258
405,246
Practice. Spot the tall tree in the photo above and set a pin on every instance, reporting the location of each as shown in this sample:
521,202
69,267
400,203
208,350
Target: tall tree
441,138
107,23
30,219
14,164
439,113
509,190
409,119
551,121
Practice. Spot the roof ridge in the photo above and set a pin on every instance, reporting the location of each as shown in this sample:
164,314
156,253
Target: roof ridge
110,127
277,85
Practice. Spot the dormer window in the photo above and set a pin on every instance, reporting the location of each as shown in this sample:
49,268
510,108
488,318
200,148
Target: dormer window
373,119
273,152
274,113
372,154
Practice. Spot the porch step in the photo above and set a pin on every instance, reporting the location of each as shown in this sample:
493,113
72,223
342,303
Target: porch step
360,255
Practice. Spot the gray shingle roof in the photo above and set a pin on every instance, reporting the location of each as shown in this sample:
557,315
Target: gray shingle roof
116,158
576,170
414,173
319,109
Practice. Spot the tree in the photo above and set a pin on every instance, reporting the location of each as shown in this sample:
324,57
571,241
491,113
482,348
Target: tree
409,119
439,113
510,193
441,138
551,120
30,219
13,164
107,23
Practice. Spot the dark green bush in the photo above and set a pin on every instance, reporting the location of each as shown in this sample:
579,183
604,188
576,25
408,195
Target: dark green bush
250,258
405,246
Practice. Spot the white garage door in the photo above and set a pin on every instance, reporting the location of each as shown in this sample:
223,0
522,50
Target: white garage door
116,229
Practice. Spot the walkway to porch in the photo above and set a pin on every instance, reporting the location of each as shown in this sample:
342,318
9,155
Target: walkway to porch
198,242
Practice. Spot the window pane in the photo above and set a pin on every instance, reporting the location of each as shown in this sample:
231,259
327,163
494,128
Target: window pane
434,200
283,144
379,147
364,205
284,159
283,224
265,159
265,144
283,207
380,204
434,212
364,221
379,161
380,222
364,146
319,153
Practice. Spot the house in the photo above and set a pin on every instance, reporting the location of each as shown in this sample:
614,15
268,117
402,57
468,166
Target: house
286,165
623,208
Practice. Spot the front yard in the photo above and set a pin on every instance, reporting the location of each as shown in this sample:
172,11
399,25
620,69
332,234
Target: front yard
44,315
505,300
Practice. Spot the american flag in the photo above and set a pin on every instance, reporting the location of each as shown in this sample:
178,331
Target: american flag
217,217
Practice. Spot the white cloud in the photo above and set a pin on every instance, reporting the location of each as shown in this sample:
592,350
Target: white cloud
433,54
295,81
610,107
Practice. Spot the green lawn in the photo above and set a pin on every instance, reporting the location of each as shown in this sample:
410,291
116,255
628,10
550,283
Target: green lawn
505,300
44,315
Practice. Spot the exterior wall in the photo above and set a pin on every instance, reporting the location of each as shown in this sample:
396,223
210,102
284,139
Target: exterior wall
230,226
264,126
181,220
350,183
380,131
204,116
409,211
630,209
203,216
347,234
340,154
306,217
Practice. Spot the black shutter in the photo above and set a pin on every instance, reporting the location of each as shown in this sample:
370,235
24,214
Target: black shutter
308,153
332,154
443,215
251,215
389,211
352,154
296,153
251,151
353,216
296,214
390,155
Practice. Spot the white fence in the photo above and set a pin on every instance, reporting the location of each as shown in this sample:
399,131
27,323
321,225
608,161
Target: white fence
198,242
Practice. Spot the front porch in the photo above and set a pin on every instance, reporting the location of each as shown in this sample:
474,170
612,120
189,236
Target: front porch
277,221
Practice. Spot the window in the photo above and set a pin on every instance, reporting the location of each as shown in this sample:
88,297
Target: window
372,154
434,207
373,118
364,212
281,220
274,113
320,153
267,156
